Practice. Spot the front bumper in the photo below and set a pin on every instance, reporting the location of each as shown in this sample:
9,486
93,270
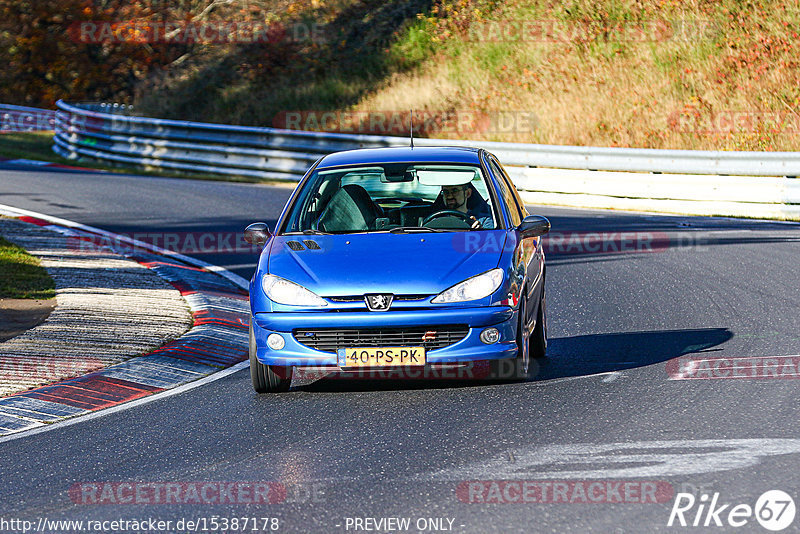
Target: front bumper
470,348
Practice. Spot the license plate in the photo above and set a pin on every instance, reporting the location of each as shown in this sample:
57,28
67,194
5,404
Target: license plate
381,357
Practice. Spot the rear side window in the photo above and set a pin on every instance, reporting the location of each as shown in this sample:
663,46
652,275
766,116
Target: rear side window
506,191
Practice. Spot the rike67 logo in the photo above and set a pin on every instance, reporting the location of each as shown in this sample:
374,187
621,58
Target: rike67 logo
774,510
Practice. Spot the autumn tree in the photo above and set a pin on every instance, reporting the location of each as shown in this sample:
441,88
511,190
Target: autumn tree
49,50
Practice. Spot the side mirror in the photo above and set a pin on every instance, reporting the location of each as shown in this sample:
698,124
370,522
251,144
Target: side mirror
257,234
533,226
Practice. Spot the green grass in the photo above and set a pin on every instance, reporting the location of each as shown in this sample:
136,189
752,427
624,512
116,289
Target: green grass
414,46
38,146
21,275
29,145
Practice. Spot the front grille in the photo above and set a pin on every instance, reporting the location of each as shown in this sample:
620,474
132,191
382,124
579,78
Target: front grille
330,340
360,298
352,298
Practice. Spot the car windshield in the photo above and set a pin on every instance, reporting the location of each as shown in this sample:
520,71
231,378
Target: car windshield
395,197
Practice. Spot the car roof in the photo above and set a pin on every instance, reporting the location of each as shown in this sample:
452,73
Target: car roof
426,154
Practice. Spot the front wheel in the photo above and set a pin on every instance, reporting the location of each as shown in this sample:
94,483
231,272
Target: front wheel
522,362
538,343
267,378
516,368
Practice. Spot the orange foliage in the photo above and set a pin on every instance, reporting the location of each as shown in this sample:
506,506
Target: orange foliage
45,59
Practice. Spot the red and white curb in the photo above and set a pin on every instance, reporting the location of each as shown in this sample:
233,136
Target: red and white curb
214,347
109,308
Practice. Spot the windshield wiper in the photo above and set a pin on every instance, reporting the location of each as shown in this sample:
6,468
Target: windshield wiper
309,231
411,229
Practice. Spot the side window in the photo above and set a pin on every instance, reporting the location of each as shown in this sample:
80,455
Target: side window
507,192
522,209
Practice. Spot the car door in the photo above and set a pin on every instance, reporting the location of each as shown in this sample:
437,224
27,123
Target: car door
530,250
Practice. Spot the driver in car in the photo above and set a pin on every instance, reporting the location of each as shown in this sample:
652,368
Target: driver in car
460,198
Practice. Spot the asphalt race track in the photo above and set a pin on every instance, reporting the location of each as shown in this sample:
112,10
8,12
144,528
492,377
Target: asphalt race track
615,402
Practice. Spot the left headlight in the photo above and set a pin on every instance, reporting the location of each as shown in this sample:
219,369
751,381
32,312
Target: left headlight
474,288
285,292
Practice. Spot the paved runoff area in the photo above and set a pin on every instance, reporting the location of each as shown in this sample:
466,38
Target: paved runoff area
128,323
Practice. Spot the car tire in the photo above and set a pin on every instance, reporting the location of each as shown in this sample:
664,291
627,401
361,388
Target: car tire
538,341
522,362
267,378
519,367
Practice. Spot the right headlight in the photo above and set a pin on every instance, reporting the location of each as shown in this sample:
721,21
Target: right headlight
283,291
474,288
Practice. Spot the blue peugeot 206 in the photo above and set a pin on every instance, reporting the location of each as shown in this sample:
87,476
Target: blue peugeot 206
414,258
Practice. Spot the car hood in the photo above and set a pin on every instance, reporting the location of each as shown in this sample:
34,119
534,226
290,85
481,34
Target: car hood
415,263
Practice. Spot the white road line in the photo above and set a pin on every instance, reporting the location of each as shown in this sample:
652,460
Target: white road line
132,404
613,376
18,212
606,374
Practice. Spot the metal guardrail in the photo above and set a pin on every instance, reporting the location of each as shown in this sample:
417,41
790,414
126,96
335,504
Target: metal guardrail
102,131
192,146
729,183
26,119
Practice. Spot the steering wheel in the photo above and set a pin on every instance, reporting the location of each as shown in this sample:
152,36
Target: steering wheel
448,213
